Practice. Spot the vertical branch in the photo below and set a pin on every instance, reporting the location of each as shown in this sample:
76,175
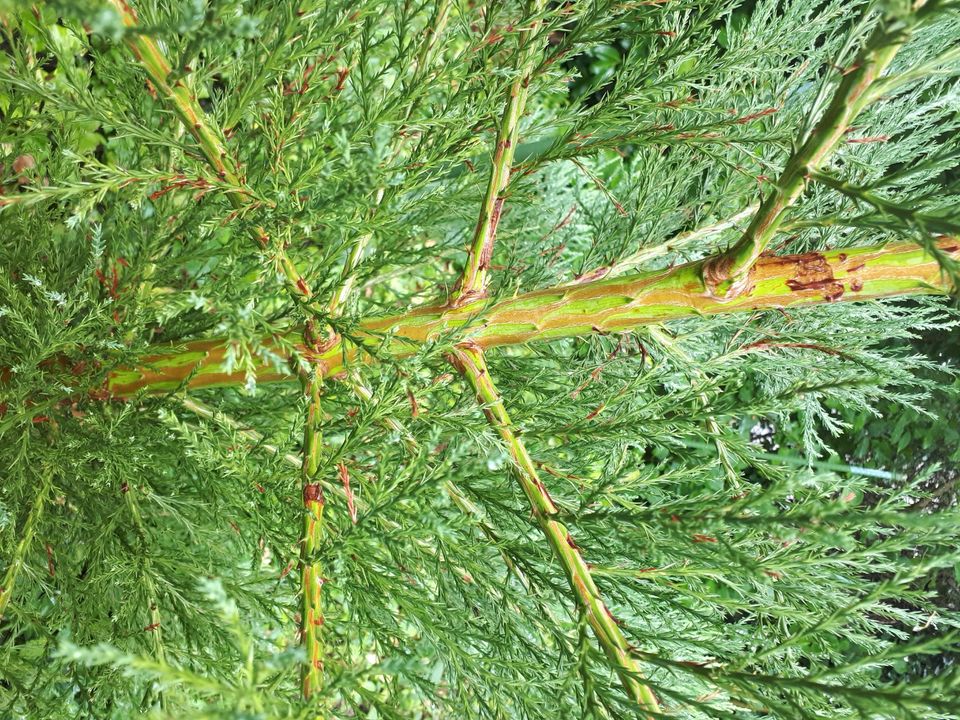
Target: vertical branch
311,612
23,547
178,96
726,275
470,361
473,283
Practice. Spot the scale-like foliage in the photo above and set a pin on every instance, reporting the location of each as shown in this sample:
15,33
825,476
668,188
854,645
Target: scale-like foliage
153,544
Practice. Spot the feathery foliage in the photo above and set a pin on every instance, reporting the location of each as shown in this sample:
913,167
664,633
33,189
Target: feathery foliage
378,358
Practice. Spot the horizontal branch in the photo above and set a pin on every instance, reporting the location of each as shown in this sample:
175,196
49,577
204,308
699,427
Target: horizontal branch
602,306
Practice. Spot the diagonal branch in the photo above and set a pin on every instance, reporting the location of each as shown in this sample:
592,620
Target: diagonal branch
726,275
175,93
469,360
473,283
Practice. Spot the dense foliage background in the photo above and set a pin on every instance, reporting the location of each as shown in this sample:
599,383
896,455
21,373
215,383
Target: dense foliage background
703,466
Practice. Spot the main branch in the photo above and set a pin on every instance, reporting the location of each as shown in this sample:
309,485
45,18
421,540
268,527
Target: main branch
575,310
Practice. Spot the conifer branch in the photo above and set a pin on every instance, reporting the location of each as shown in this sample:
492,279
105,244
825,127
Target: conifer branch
469,360
155,626
666,341
251,436
602,306
726,275
374,115
473,283
26,540
673,245
433,32
312,580
179,97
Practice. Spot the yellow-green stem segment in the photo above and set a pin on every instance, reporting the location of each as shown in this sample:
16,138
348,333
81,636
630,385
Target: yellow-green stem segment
603,306
725,274
469,360
23,546
311,612
155,626
473,283
177,95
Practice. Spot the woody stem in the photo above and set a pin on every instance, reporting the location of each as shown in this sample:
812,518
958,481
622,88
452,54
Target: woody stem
175,93
726,274
469,360
602,306
473,283
311,613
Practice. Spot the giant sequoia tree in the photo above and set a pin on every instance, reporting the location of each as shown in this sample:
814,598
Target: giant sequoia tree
397,358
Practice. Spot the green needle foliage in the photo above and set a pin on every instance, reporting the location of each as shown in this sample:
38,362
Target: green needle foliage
408,519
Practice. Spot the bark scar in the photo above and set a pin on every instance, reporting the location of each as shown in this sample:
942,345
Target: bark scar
813,273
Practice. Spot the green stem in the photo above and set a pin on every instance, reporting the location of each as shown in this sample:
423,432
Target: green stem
23,547
671,246
473,284
311,613
670,345
175,92
469,360
726,275
603,306
250,435
433,30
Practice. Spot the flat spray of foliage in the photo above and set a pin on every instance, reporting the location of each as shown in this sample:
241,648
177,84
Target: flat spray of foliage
370,359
